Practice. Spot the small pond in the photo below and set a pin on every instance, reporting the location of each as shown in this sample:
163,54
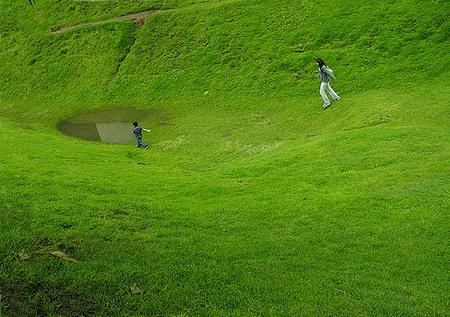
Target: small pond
111,126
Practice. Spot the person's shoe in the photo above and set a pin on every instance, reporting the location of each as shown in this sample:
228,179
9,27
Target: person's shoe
325,105
146,147
337,99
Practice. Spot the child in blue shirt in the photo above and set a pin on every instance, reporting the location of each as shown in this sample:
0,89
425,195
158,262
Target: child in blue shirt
137,131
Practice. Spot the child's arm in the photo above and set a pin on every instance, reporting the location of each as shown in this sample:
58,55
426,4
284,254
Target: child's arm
146,130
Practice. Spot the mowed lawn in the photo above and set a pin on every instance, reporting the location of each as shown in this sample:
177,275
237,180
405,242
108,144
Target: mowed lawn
252,200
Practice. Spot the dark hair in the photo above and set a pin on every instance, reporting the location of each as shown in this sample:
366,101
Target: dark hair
135,123
320,62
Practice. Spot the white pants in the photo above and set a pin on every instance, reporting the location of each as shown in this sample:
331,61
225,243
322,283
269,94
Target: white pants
323,88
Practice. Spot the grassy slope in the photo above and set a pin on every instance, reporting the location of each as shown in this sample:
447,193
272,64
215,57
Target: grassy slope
253,200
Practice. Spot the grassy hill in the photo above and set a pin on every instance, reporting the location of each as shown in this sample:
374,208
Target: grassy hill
252,200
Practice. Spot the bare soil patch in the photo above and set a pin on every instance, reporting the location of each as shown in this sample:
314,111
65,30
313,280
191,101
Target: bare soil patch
139,17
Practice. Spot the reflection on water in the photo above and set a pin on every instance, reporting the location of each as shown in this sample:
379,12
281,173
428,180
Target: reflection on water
86,131
117,132
112,126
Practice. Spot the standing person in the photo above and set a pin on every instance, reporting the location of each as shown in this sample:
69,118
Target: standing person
324,75
137,131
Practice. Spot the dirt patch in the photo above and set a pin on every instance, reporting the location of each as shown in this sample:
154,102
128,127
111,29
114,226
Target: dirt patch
139,17
22,298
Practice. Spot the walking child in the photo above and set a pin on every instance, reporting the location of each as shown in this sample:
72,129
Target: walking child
325,73
137,131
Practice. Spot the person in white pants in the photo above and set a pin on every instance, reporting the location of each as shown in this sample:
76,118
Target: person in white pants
325,73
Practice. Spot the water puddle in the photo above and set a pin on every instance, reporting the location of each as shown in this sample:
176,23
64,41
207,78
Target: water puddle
112,126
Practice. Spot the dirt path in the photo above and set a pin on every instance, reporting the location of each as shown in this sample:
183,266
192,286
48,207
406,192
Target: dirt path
139,17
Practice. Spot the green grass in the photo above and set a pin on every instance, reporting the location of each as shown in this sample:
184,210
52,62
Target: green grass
252,200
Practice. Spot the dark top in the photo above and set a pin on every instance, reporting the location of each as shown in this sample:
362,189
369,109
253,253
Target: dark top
137,132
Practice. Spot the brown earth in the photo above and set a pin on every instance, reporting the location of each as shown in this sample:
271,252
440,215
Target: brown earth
139,17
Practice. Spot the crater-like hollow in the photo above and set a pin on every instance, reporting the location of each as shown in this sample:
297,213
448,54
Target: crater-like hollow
111,126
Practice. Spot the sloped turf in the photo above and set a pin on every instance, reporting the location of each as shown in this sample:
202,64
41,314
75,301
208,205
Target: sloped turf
252,200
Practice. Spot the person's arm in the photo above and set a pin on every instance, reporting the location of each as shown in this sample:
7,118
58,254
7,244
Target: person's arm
146,130
329,72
